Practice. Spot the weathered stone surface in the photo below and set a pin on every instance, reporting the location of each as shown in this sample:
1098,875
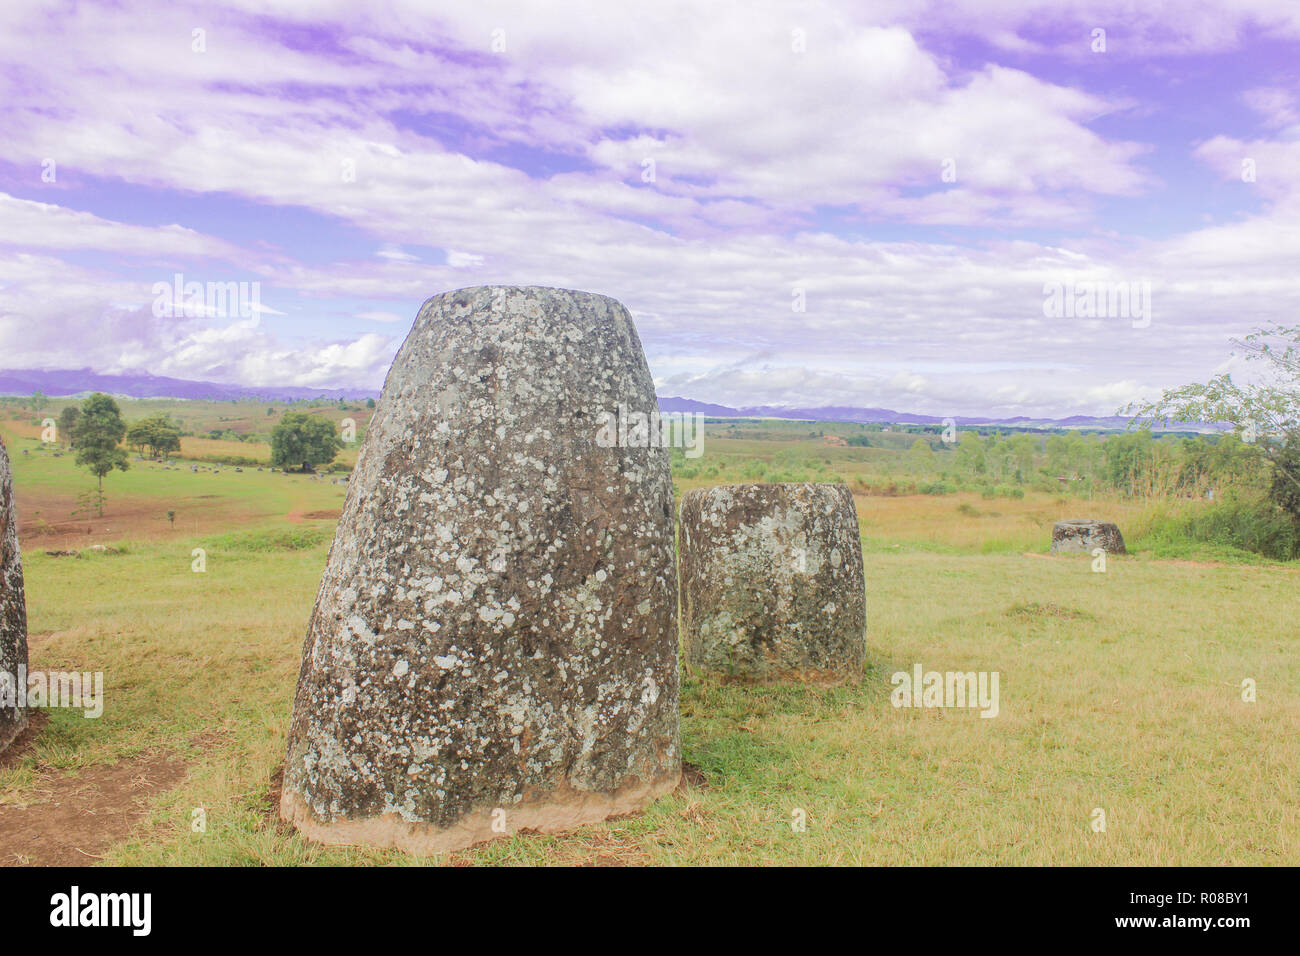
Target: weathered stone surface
772,582
1085,536
13,610
494,643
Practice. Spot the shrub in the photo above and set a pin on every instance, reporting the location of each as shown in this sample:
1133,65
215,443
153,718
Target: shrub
276,539
1003,491
1244,524
936,488
243,461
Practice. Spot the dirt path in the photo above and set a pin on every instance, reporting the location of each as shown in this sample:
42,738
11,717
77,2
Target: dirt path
74,818
45,520
299,517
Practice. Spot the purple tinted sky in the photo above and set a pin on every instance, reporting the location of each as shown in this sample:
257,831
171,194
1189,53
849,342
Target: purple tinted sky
776,169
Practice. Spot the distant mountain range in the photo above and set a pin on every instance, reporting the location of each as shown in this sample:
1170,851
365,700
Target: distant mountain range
55,382
888,416
63,382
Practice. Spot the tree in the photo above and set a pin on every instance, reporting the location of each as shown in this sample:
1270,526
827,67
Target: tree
1023,448
1285,489
1058,455
920,456
68,422
1265,413
97,438
971,454
304,440
1128,460
39,401
1209,463
155,435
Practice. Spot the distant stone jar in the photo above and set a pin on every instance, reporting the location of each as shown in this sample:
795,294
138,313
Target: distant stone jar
13,611
494,643
1083,536
772,582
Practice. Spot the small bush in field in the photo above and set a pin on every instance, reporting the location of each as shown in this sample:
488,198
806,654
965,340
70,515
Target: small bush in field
1003,491
936,488
276,539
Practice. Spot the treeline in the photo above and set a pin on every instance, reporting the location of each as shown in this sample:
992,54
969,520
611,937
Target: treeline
1135,464
100,438
1250,492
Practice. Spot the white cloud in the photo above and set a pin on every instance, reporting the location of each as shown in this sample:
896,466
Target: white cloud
42,225
749,138
463,260
396,254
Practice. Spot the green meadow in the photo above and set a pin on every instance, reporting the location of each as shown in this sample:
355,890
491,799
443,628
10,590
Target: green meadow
1121,692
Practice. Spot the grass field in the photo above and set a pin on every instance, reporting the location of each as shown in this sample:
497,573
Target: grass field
1119,690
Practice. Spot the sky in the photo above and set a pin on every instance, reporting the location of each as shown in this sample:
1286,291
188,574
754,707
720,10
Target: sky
801,203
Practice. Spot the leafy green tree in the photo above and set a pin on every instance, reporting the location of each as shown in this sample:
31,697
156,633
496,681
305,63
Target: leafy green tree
1210,463
97,438
1138,464
1085,455
1058,454
38,401
154,436
68,422
1285,489
304,440
1127,460
1023,448
921,456
971,455
1000,455
1265,413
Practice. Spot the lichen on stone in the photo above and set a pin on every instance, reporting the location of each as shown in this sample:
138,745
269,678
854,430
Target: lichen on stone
772,582
13,609
499,591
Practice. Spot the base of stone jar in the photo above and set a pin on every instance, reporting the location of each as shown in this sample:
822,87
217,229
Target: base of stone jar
12,730
554,811
817,677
